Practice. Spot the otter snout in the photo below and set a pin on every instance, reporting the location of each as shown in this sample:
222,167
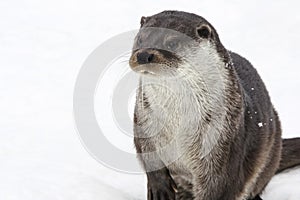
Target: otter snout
143,57
152,61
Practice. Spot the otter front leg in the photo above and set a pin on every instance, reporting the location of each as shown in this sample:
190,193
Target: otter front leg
160,185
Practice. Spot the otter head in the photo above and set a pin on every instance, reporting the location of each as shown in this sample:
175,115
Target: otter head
172,44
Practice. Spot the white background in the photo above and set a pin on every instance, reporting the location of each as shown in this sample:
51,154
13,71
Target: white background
42,47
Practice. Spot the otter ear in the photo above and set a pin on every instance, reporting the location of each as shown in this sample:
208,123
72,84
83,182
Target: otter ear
143,20
204,31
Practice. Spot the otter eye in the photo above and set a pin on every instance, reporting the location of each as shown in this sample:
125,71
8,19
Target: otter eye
204,31
172,45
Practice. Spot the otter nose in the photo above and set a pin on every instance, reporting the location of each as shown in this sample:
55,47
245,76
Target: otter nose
144,57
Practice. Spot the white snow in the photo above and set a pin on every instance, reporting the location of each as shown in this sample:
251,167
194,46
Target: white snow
43,45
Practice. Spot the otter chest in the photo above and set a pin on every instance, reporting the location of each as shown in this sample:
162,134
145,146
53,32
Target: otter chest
170,119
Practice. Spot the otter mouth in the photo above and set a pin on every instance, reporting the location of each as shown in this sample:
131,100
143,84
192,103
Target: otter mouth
146,72
147,69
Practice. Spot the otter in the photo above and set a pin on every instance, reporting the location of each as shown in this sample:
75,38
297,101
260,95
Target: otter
204,124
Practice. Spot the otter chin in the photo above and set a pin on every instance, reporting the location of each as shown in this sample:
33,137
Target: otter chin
201,131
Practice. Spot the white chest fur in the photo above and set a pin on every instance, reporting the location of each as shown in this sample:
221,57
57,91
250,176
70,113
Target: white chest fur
187,109
177,114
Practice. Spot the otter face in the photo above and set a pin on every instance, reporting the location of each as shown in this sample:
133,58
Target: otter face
170,43
156,51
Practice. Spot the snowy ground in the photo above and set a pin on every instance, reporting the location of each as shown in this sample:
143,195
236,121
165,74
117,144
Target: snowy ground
42,47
